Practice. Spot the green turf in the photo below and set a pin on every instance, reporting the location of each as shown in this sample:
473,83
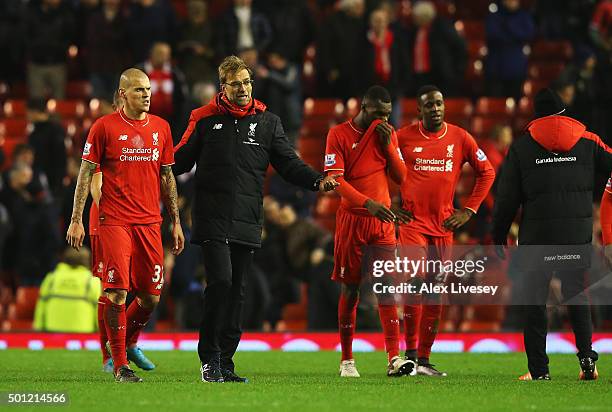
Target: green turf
307,381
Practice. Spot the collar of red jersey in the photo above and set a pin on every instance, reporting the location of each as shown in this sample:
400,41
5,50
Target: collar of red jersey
133,122
429,135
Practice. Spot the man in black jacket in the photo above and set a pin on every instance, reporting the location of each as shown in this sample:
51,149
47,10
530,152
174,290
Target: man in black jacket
232,140
550,173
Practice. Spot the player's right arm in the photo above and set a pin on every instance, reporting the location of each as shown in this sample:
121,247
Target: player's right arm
76,231
92,153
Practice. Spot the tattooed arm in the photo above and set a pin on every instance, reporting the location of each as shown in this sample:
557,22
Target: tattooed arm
76,231
170,199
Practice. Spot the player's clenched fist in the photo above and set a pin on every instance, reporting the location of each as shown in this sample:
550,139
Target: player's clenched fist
384,131
75,234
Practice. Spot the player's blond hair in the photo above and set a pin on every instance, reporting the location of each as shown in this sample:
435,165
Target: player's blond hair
232,65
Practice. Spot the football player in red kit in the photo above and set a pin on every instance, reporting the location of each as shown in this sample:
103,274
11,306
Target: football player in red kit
434,152
362,150
134,153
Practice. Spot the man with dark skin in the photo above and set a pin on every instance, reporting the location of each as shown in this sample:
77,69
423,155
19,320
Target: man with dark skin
434,152
364,149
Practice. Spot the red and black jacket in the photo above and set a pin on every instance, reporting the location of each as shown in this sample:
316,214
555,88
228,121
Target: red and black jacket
550,173
232,152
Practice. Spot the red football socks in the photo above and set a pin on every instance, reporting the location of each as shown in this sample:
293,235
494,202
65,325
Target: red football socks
391,329
428,329
412,320
102,329
114,318
137,318
347,316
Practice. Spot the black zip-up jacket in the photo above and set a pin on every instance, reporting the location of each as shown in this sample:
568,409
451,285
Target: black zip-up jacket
550,172
232,156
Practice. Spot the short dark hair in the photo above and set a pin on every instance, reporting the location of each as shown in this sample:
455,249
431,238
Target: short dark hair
428,88
375,93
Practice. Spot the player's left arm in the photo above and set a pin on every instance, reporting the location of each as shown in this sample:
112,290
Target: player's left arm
170,199
390,147
485,176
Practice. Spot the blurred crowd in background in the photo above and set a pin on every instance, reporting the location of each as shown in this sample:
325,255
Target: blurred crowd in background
312,60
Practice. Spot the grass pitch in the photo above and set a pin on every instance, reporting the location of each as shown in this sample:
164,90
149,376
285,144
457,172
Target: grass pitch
283,381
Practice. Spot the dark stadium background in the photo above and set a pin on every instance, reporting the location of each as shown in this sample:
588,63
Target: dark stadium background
570,50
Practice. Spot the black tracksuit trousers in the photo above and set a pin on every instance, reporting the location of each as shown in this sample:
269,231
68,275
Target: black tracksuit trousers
535,289
227,266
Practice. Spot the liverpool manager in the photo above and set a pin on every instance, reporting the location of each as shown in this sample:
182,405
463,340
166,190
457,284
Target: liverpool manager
549,172
233,140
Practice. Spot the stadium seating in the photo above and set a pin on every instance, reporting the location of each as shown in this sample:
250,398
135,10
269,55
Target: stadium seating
67,108
482,318
549,51
14,108
295,315
495,107
325,108
78,89
545,70
25,302
482,126
14,126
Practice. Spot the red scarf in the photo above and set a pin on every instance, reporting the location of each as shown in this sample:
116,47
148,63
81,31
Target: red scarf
382,57
223,106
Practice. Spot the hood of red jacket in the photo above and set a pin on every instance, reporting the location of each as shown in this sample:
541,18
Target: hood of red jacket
556,133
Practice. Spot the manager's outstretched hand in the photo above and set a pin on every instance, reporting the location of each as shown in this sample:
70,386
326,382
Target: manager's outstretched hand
329,183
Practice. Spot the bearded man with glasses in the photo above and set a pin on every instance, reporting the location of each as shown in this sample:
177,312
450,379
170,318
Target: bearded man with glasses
232,141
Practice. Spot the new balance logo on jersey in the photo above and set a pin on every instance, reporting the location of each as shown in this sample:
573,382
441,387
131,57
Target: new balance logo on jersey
218,126
123,137
354,145
417,149
449,150
155,139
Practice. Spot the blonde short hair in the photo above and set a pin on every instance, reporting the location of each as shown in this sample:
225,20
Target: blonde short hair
231,65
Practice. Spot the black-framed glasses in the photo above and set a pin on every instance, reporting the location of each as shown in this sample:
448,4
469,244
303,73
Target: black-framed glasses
245,83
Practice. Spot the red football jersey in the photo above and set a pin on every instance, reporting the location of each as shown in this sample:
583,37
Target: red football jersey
130,154
433,163
363,164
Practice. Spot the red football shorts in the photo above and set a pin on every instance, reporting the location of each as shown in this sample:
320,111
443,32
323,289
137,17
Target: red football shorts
419,245
97,266
353,232
133,257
